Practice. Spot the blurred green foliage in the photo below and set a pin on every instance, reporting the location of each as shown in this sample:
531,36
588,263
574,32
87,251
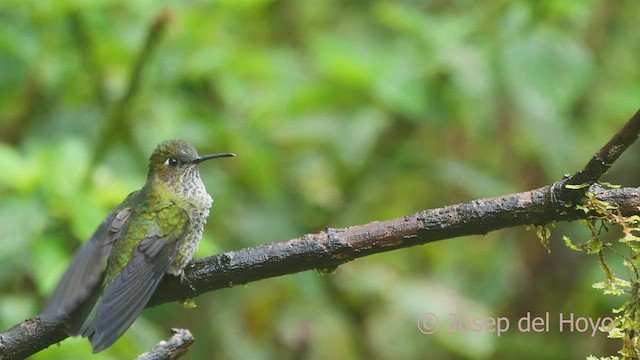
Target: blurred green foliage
341,113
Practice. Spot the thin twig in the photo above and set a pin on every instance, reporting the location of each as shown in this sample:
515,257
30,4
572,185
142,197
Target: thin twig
172,348
608,154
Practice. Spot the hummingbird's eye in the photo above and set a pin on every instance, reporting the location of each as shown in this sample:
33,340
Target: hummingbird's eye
171,162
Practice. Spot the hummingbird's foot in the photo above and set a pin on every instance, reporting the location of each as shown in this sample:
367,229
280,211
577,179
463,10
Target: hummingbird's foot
183,282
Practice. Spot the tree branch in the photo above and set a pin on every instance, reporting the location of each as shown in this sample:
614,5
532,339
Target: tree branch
332,247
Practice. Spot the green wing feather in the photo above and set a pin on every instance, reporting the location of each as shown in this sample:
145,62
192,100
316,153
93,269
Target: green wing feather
84,274
138,247
128,290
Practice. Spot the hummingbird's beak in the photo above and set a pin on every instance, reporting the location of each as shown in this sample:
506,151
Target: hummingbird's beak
200,159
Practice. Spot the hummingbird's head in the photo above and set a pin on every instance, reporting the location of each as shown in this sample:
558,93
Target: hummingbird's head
175,163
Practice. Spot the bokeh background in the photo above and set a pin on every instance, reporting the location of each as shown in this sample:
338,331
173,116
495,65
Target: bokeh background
341,113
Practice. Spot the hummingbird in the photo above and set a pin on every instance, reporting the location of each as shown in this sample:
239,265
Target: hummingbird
154,231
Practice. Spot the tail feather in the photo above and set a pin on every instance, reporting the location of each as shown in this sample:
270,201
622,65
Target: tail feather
82,320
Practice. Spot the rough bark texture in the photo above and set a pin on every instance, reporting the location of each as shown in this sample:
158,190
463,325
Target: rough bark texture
332,247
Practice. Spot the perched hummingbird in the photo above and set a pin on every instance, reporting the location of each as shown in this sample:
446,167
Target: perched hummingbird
154,231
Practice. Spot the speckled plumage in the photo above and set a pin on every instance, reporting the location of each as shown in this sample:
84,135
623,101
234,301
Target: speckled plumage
154,231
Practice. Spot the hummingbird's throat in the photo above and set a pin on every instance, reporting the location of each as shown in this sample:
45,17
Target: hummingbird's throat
191,188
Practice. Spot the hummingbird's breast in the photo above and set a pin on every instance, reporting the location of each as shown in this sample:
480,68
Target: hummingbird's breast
196,202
